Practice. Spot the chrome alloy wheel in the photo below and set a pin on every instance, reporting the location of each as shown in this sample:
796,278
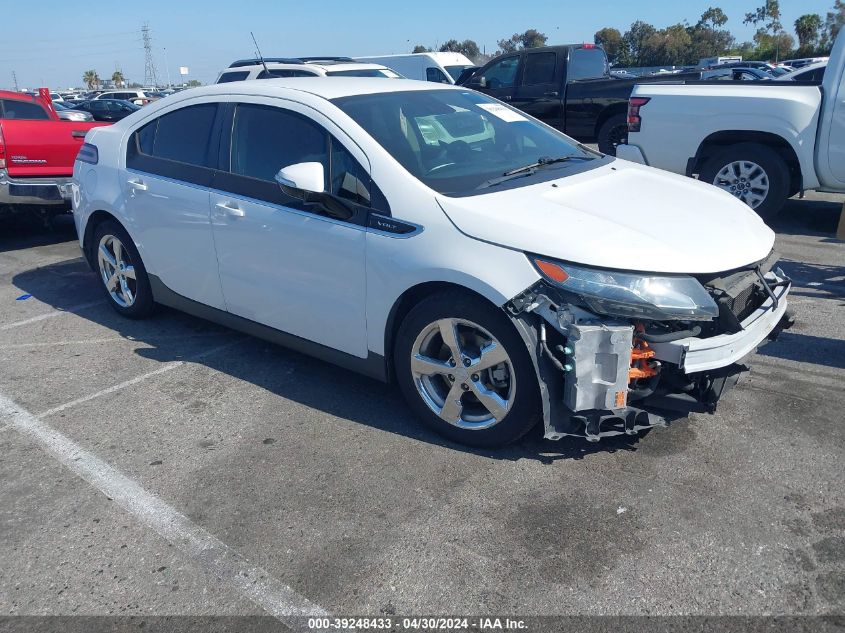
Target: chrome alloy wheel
463,374
744,180
117,271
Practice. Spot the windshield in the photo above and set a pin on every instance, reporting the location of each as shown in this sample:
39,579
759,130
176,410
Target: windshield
456,141
455,71
365,72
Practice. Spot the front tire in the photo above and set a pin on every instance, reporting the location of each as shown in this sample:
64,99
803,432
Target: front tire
755,174
465,372
122,273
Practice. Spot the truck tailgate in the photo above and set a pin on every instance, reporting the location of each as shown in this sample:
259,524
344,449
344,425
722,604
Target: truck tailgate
43,148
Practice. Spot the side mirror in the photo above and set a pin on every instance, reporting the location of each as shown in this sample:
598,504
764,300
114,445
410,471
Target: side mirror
477,82
302,178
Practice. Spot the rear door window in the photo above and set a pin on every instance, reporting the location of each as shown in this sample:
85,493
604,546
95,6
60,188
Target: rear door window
539,69
184,135
182,144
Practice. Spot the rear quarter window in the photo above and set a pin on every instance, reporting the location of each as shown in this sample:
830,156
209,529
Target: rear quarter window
13,109
586,63
236,76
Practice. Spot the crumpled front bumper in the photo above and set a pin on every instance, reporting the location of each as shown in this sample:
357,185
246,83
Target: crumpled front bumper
705,354
49,191
696,371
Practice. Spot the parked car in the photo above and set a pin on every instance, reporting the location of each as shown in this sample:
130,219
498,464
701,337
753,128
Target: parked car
438,67
108,109
810,73
761,143
138,97
805,61
37,149
736,73
568,87
431,235
280,67
66,112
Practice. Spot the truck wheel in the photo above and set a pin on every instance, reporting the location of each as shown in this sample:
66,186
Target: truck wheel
756,174
465,371
121,271
613,132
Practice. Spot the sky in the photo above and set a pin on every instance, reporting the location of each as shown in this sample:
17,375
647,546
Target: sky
52,43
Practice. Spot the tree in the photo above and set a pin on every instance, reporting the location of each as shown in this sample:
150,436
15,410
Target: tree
91,79
467,47
610,40
707,38
419,48
117,78
772,46
635,42
532,38
833,24
193,83
669,46
768,17
808,29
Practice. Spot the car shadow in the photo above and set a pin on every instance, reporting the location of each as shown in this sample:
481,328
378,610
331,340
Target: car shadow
815,280
283,372
805,348
27,231
808,217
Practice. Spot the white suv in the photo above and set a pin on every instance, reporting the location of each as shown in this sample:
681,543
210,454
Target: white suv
500,272
138,97
280,68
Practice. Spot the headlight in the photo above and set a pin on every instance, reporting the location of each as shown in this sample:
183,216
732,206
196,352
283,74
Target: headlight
632,295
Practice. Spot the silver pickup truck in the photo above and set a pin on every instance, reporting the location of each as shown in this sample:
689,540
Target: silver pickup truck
761,141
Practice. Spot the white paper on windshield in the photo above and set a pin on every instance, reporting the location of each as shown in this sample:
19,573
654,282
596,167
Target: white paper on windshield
500,111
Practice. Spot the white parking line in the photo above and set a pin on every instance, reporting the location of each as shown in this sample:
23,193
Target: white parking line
134,381
50,315
231,568
112,339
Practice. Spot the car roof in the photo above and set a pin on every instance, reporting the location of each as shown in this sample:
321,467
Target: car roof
324,64
11,94
325,87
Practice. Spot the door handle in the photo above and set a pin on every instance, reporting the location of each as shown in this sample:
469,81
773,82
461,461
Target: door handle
506,98
553,93
138,184
226,208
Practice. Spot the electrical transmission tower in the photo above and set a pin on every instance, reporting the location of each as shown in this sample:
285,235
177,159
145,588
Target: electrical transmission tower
15,80
150,78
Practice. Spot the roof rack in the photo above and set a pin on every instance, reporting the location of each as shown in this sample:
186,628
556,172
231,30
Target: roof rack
273,60
326,58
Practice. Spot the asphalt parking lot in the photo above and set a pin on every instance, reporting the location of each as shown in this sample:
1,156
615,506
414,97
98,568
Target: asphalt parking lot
148,468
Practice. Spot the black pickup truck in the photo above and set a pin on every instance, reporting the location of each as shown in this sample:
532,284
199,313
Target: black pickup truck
568,87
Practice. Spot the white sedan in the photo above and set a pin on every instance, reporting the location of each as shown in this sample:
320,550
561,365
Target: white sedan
498,271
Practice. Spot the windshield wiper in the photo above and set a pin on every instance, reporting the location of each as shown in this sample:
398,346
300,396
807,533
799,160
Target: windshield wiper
543,161
528,170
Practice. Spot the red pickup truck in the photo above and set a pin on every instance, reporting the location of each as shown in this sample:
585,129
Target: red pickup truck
37,151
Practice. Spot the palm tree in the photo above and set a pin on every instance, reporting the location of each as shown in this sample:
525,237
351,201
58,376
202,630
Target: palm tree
117,78
91,79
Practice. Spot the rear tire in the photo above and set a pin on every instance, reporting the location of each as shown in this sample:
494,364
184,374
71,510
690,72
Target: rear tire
489,395
122,274
753,173
613,132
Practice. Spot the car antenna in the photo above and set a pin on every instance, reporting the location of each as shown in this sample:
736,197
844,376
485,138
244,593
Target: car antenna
260,56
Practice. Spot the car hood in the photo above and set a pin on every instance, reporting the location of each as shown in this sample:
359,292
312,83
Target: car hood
620,215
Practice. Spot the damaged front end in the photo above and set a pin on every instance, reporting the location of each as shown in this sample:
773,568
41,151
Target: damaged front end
617,352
